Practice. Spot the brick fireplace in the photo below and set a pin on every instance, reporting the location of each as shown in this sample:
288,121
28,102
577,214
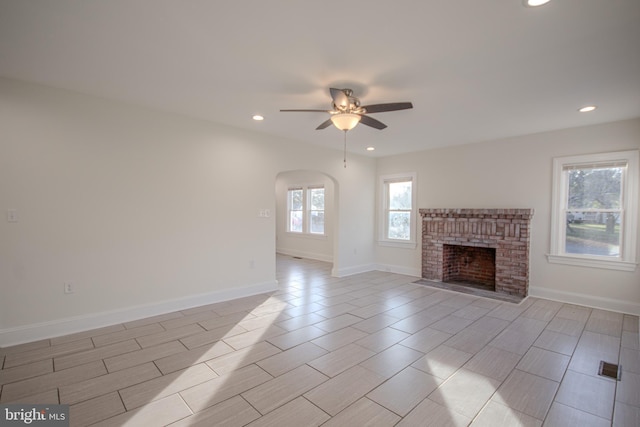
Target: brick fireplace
459,244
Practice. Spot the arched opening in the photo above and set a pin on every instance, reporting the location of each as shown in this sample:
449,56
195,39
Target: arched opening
306,242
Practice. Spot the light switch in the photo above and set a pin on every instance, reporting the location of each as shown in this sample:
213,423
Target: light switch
12,215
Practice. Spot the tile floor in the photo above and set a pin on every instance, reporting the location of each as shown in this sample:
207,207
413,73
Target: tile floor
370,349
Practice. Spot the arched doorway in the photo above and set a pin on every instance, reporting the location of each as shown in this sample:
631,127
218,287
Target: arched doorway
303,242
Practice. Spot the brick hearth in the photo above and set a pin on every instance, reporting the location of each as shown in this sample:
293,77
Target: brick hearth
506,230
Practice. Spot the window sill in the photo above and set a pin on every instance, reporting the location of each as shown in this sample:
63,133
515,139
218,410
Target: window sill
609,264
397,244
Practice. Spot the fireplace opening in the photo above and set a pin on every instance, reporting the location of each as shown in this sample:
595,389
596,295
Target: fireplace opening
469,266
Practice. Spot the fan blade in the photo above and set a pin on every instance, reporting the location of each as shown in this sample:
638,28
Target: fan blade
393,106
306,111
340,99
324,125
369,121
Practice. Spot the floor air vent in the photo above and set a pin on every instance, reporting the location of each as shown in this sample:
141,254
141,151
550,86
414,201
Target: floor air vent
609,370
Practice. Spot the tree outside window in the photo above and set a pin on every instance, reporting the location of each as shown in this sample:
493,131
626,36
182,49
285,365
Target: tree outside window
595,210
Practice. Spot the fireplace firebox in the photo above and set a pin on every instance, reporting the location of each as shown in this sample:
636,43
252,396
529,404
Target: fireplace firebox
469,265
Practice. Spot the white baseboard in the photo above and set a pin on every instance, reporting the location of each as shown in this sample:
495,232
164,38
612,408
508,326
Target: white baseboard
399,269
70,325
350,271
586,300
307,255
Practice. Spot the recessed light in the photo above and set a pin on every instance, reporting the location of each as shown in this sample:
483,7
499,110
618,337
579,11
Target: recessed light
535,3
587,108
371,148
258,117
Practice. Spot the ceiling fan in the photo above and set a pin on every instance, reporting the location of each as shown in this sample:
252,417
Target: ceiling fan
347,112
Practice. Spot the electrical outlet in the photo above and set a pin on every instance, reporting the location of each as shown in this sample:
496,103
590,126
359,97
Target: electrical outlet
69,288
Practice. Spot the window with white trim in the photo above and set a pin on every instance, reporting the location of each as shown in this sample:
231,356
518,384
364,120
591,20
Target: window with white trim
397,225
305,210
595,210
315,210
295,202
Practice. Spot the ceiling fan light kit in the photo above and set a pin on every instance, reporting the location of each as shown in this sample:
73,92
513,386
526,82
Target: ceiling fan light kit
535,3
345,121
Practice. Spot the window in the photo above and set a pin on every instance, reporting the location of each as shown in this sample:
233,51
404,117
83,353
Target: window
398,219
594,215
316,210
305,207
295,201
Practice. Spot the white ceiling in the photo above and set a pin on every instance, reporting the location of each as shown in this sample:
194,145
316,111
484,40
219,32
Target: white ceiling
475,70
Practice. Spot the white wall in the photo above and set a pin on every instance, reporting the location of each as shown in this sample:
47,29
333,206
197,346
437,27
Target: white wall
355,225
516,173
305,245
145,211
139,208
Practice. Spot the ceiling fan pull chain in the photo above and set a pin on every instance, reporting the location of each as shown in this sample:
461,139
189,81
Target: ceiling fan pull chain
345,148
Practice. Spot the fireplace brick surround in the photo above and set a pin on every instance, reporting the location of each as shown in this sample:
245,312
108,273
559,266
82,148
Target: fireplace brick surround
506,230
